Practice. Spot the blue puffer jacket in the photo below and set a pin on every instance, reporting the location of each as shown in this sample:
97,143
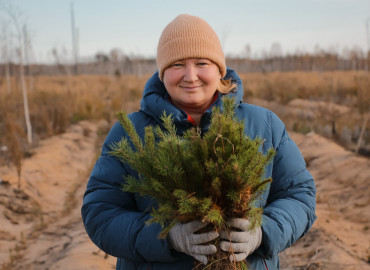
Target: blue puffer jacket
115,221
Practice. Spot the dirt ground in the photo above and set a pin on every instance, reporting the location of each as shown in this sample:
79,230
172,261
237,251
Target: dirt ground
340,238
41,226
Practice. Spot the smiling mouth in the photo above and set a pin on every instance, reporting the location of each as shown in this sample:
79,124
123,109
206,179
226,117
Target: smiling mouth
190,87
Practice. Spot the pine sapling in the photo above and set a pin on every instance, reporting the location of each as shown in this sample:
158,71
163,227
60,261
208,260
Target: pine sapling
211,177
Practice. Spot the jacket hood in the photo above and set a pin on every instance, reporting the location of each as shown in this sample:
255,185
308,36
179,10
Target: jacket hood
155,99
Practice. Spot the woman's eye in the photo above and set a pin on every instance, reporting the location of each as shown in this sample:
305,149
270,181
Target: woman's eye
177,65
203,63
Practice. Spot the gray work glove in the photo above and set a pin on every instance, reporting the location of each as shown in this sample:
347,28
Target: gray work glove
182,238
240,243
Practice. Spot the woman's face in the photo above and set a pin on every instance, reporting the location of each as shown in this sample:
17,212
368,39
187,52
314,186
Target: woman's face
192,83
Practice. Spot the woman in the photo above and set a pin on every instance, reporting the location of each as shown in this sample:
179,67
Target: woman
191,79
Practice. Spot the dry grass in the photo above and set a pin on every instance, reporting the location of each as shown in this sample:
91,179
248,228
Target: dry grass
332,104
337,86
58,101
15,253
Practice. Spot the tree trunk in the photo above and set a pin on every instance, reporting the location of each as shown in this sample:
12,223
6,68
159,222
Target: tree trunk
7,68
7,75
360,138
25,99
27,50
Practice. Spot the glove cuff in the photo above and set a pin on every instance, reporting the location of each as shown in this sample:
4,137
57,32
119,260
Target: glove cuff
258,237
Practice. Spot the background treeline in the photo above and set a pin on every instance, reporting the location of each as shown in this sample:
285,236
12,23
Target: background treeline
115,62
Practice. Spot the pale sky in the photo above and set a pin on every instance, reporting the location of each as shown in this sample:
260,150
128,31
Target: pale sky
134,26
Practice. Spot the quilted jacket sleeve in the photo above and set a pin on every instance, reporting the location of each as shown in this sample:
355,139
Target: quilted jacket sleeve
290,208
110,215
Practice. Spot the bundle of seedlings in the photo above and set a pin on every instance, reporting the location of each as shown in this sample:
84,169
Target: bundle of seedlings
210,177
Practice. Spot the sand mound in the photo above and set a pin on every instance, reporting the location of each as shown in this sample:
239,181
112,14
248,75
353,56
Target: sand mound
41,225
340,238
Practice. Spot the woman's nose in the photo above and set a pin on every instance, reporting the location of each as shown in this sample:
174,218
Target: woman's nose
190,73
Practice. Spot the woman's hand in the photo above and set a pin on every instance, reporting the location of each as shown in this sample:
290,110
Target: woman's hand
240,243
182,237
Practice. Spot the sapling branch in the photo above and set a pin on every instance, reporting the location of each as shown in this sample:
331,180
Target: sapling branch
211,177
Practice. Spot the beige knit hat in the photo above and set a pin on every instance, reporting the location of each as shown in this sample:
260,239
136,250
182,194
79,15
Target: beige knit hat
189,37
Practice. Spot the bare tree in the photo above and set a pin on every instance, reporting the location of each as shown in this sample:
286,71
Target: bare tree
363,104
5,53
276,53
116,56
75,38
13,138
18,26
368,44
62,67
247,51
27,55
60,61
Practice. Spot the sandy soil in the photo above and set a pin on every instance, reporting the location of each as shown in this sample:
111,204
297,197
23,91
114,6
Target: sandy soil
41,227
340,238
